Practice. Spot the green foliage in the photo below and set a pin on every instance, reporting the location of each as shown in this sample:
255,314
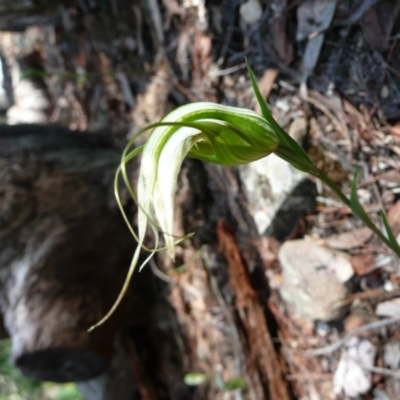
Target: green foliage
196,378
361,214
79,78
235,383
14,386
12,382
215,378
389,232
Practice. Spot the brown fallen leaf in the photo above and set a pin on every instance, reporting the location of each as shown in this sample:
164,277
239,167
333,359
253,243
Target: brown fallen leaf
349,240
353,322
395,132
395,280
250,311
362,263
377,23
389,179
268,248
372,30
281,43
265,84
393,217
173,9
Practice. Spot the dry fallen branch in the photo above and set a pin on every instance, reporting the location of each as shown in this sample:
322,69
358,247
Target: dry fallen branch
261,350
323,351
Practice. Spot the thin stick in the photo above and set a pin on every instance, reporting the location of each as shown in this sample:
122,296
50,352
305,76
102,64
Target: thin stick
323,351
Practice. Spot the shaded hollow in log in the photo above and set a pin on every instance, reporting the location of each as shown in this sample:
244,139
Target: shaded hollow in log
64,250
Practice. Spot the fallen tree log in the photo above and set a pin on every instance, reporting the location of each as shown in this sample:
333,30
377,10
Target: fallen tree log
64,250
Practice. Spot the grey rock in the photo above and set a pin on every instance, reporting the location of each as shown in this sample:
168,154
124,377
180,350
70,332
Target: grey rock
379,394
314,279
392,355
273,187
350,378
390,308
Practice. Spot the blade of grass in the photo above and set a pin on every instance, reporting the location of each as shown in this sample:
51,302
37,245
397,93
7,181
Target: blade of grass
389,232
359,211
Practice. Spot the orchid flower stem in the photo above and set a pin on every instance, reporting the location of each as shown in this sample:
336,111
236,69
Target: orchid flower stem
364,217
335,189
293,153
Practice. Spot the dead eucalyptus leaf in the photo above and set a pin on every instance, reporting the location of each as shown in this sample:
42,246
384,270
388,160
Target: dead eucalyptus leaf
349,240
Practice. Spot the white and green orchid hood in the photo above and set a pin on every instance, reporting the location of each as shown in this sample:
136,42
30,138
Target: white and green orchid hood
210,132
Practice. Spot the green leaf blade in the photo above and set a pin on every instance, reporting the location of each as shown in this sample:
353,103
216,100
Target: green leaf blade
392,239
355,204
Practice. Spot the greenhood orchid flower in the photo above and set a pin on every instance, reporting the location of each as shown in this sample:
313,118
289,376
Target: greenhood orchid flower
223,135
210,132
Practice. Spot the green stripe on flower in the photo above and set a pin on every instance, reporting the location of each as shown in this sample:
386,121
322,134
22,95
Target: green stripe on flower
206,131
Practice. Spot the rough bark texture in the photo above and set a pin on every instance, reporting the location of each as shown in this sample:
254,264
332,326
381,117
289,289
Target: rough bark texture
223,326
63,249
20,14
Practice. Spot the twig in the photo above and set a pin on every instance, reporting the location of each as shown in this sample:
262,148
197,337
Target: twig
315,376
336,346
329,202
382,371
139,22
237,346
227,71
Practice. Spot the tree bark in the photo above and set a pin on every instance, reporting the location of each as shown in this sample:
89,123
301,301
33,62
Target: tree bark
222,327
63,250
18,15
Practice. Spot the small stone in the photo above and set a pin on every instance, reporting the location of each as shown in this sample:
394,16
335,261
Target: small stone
389,286
353,322
17,115
350,377
313,279
298,129
391,355
379,394
251,12
363,263
268,183
390,308
322,329
130,43
283,105
385,92
278,193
